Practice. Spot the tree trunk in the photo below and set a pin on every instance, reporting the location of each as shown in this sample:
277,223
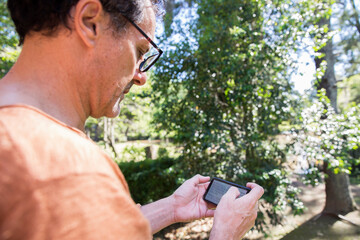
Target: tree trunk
338,195
109,138
328,81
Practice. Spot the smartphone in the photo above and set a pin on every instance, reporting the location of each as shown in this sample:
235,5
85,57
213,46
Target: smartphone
218,187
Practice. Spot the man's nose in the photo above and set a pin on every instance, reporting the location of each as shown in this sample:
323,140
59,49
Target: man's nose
139,77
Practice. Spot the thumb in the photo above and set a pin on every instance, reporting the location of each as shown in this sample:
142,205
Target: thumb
232,193
199,179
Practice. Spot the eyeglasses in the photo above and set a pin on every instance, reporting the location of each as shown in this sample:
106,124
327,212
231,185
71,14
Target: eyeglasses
150,57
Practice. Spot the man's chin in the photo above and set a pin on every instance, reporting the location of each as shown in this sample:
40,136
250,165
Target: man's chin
115,113
110,111
116,108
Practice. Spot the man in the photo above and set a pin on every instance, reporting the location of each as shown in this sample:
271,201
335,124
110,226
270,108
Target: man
79,59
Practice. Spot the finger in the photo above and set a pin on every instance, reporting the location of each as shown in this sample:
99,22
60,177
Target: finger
256,190
210,213
205,185
203,179
251,185
232,193
199,179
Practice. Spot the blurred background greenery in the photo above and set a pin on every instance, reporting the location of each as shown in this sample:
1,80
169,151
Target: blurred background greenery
221,102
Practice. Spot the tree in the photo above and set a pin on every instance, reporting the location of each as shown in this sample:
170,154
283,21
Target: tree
349,92
346,18
338,194
224,90
327,139
328,80
8,40
173,8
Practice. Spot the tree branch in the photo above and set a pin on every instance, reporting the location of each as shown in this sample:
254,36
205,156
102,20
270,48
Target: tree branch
357,25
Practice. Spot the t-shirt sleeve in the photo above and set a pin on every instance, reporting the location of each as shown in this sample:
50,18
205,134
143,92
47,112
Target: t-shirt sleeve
75,207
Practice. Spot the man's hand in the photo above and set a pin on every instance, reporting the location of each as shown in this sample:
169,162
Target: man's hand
185,204
235,216
188,200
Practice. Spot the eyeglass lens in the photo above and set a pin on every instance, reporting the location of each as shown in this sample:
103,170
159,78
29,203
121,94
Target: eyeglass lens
150,58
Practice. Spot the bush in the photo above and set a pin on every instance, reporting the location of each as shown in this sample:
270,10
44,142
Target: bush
150,180
328,139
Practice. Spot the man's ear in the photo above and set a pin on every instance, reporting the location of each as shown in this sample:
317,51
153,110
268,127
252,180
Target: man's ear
87,17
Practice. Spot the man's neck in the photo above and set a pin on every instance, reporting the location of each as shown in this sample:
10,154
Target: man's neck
44,77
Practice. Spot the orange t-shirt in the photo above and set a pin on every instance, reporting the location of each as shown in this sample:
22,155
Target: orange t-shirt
55,183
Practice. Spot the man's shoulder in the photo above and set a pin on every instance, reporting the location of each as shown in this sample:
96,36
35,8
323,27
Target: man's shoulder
46,148
19,117
27,128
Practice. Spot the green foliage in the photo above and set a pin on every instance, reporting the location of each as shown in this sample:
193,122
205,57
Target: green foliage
8,57
94,129
327,139
349,92
280,193
346,16
163,152
8,40
7,30
224,90
150,180
136,113
173,7
132,153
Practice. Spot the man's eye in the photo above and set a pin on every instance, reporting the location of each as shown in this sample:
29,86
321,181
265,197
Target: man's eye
141,54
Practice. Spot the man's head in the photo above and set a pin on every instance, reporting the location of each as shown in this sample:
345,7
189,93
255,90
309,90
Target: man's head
96,46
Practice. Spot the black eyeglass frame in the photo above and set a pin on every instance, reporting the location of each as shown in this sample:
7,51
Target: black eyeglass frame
152,43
